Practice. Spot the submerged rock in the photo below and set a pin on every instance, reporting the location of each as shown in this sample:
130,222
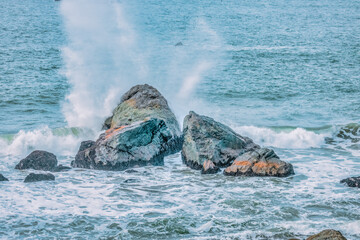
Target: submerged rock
205,139
141,131
259,162
2,178
60,168
328,234
38,160
350,131
33,177
209,168
352,181
179,44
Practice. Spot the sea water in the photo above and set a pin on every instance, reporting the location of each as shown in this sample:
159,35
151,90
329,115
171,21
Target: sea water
285,73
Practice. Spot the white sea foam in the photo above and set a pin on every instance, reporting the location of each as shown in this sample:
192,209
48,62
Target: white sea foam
295,139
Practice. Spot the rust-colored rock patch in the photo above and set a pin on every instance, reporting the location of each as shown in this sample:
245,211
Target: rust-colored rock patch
259,162
112,131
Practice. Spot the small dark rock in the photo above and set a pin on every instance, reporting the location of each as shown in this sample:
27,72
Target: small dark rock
328,234
2,178
209,168
131,171
352,181
38,160
131,180
179,44
33,177
61,168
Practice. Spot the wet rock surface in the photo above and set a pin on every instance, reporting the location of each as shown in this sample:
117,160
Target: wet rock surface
352,181
209,168
86,144
33,177
2,178
38,160
259,162
328,234
41,160
141,131
205,139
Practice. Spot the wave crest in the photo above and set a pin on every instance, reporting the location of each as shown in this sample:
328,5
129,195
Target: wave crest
62,141
298,138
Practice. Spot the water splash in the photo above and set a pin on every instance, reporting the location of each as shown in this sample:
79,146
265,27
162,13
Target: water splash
101,60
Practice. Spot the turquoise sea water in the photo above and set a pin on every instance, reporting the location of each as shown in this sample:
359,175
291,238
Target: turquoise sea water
285,73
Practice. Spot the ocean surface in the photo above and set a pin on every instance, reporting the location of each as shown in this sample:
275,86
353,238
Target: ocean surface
285,73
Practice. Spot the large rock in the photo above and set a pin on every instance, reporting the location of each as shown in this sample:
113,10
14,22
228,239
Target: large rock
2,178
33,177
141,131
205,139
352,181
259,162
38,160
328,234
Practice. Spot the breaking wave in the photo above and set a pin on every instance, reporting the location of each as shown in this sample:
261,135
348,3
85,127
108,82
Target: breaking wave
61,141
297,138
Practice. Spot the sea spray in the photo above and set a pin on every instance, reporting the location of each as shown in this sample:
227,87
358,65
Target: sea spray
102,59
198,58
193,79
